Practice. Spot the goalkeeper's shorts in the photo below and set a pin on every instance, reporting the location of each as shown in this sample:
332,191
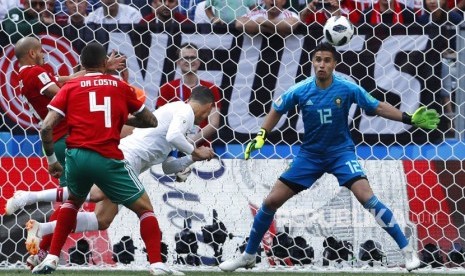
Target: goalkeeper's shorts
305,169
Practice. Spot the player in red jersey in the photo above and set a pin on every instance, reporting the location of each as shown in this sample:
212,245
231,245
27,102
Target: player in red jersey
38,86
96,107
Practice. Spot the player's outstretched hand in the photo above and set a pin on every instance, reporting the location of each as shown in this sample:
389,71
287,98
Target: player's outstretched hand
425,118
256,143
116,62
203,153
55,169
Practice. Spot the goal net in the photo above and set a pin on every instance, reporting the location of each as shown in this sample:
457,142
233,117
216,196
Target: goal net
205,220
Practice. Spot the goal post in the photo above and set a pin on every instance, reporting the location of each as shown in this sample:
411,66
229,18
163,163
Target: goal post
417,173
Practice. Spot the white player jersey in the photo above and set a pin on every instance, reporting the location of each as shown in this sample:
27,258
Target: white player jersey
152,145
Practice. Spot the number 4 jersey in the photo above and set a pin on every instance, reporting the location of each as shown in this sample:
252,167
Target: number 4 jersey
96,107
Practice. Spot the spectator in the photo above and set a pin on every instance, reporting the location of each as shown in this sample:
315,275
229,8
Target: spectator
72,24
142,5
61,8
295,5
112,12
226,11
165,11
188,7
32,19
316,12
180,90
273,19
388,12
437,14
6,5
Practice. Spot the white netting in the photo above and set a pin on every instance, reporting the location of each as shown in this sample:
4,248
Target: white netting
418,174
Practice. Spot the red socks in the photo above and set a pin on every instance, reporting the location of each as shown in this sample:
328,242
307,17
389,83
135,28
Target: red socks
151,235
47,239
66,222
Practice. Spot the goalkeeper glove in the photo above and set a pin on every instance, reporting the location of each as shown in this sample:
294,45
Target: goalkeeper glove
256,143
422,117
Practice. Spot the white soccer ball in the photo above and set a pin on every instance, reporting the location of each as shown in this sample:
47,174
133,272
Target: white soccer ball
338,30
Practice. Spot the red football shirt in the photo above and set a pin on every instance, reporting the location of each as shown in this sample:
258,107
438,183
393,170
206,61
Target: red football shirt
96,106
33,81
172,92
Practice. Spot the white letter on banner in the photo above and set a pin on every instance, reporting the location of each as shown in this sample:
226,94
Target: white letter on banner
389,78
151,83
239,118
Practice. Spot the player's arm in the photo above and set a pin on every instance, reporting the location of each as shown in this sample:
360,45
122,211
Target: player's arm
245,24
174,165
388,111
62,79
210,129
422,117
51,91
46,135
282,27
142,119
257,143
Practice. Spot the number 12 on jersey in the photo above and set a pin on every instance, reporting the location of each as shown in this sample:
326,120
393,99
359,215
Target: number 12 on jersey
105,107
325,116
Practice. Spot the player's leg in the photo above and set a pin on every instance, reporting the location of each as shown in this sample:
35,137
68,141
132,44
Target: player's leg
301,174
80,169
21,198
60,194
24,198
385,218
124,187
350,174
261,223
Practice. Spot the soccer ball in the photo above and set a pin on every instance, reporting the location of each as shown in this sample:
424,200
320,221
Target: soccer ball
338,30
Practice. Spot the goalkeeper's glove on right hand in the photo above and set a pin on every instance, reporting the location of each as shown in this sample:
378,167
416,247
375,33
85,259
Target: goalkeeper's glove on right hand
422,117
256,143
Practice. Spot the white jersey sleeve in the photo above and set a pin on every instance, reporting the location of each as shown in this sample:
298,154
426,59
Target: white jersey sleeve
182,121
153,145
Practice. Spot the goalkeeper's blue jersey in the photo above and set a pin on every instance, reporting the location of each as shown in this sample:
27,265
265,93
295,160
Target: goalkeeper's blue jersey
325,112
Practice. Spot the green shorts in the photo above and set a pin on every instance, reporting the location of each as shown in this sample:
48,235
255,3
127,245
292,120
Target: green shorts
60,148
60,152
114,177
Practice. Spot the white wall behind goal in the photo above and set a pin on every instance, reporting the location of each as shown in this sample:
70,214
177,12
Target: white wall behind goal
324,210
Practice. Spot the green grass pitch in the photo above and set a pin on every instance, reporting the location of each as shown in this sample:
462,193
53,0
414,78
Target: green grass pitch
12,272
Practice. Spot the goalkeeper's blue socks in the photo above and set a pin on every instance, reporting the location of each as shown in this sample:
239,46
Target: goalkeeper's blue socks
261,224
386,219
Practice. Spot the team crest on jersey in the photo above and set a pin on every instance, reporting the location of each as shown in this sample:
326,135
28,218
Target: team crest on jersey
44,78
338,101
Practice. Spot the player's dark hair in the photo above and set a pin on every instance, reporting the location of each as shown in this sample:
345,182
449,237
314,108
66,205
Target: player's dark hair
93,55
326,47
202,94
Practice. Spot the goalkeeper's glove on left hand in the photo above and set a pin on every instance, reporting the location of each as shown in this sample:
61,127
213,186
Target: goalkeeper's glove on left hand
422,117
256,143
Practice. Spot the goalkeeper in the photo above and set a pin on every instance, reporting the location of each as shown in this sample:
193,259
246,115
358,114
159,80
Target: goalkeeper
327,147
